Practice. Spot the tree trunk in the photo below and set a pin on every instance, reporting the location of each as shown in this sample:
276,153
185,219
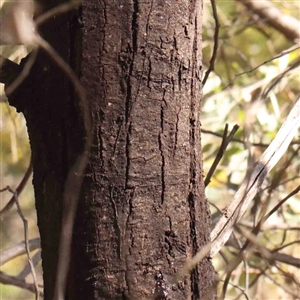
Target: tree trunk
142,211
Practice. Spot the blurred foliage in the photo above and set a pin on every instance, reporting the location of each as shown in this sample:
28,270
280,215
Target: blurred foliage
235,94
242,90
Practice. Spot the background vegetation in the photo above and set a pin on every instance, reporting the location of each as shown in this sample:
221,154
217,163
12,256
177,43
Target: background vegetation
254,84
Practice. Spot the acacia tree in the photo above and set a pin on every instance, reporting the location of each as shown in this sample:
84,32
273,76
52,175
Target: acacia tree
142,209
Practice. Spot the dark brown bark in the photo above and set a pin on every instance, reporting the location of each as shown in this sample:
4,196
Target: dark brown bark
55,129
143,211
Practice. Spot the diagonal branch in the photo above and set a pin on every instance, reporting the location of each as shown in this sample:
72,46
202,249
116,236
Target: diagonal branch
19,190
225,142
25,224
12,280
17,250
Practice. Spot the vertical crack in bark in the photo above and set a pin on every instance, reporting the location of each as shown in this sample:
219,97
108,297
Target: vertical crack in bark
176,133
193,167
128,231
149,72
161,149
101,114
179,74
128,105
128,127
104,11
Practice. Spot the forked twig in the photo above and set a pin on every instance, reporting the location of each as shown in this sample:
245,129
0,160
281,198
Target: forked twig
19,190
225,142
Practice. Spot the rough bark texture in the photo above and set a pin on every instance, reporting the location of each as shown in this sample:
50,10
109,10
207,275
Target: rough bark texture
143,210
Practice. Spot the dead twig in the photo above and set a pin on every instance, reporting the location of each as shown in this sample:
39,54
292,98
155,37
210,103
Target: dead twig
280,203
17,250
12,280
240,289
295,64
22,75
216,43
283,53
36,258
206,131
25,224
19,190
225,142
60,9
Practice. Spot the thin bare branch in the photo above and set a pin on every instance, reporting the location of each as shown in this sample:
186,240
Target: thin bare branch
17,250
22,75
287,245
288,290
280,203
19,190
283,53
240,289
283,258
11,280
25,224
216,43
225,142
295,64
60,9
206,131
27,269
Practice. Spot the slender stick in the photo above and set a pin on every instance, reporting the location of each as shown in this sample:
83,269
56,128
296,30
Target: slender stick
225,142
